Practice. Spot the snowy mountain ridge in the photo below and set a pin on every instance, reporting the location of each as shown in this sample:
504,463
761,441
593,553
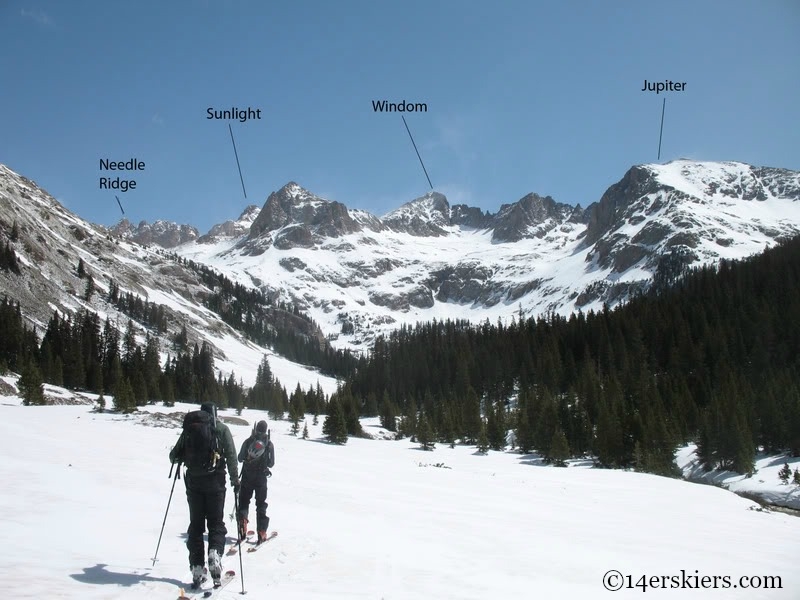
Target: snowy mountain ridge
358,274
51,243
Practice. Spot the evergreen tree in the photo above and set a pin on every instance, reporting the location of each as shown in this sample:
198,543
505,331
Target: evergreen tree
496,426
524,429
124,400
335,426
181,340
30,385
471,416
167,390
371,405
559,449
388,413
305,430
89,289
785,473
8,259
483,440
796,477
408,425
425,433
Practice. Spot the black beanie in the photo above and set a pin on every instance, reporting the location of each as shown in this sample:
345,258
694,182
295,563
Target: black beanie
209,408
261,427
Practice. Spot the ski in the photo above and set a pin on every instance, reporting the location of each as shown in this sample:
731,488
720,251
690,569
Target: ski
235,545
226,578
257,546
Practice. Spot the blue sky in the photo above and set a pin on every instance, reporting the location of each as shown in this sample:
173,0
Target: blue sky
523,96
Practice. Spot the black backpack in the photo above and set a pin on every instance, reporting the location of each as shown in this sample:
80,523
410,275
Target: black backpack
200,441
258,453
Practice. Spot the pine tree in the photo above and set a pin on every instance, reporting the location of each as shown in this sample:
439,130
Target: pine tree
559,449
30,385
371,405
124,400
335,426
89,289
472,416
181,340
796,477
295,418
388,413
483,440
408,425
524,430
785,473
425,432
305,430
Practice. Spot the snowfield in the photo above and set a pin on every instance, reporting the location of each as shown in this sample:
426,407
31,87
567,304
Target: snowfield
84,496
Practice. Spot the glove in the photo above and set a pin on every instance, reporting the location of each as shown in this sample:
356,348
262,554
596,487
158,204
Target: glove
236,485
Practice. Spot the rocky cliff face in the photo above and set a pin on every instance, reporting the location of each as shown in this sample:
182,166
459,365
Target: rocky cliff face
293,217
532,216
232,229
428,216
161,233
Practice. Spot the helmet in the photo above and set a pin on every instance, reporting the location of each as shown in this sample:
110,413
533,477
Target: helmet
257,449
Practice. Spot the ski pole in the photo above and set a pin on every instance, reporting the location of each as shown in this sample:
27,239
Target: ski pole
239,537
177,474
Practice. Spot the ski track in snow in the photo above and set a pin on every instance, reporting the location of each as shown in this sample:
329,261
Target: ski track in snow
84,498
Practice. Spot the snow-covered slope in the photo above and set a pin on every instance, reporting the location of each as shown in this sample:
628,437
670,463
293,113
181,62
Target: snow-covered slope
51,243
85,496
358,275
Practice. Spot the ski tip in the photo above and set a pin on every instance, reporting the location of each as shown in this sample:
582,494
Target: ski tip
230,573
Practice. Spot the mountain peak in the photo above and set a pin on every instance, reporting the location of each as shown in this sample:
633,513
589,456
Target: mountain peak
428,215
531,216
307,215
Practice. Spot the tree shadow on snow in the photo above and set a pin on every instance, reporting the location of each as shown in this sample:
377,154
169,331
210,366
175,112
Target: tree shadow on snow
532,459
782,459
100,575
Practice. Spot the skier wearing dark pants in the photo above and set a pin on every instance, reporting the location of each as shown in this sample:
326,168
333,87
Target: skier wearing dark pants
205,436
258,455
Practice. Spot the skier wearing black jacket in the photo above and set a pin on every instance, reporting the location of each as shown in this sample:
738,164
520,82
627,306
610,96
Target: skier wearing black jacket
205,488
258,455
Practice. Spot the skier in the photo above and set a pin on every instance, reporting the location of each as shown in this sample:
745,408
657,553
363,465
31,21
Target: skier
203,444
258,456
